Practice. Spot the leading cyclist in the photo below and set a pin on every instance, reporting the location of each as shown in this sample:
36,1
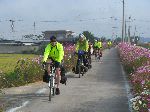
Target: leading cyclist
55,52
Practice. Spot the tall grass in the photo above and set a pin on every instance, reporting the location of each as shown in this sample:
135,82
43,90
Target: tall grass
9,61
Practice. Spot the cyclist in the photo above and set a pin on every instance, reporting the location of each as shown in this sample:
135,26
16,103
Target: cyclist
55,52
109,44
90,51
100,45
95,46
82,45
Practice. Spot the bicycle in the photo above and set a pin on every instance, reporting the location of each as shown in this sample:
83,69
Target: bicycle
89,60
97,55
51,79
81,68
109,47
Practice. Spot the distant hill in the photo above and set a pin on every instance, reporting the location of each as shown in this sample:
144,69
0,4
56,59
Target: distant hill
144,39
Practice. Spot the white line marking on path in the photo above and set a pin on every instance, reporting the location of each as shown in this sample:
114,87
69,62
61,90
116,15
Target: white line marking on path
40,91
17,108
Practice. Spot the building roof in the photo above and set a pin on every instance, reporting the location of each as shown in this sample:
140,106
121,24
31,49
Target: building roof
58,31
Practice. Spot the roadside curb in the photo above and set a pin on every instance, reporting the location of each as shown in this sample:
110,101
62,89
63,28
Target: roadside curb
128,88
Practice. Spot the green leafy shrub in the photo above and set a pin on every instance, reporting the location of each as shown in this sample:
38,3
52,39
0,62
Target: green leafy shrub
1,109
26,71
1,104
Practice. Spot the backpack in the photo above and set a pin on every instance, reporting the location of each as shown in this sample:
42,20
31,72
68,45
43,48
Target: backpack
75,70
63,79
46,77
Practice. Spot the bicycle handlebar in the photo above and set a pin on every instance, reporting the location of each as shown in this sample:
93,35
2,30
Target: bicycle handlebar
80,52
47,63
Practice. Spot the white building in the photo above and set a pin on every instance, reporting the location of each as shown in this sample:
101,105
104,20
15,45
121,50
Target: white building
62,35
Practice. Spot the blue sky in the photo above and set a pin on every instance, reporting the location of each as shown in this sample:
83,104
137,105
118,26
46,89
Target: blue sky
75,15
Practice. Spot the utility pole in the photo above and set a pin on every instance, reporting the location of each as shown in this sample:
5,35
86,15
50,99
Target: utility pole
134,33
123,23
34,26
126,39
129,34
12,25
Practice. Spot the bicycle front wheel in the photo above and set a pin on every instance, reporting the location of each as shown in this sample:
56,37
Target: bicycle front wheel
50,89
54,87
79,68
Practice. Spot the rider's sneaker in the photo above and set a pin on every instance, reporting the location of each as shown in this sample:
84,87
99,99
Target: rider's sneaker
57,91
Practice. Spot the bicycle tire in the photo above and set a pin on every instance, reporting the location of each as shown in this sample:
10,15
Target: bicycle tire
79,68
54,89
99,58
50,89
83,72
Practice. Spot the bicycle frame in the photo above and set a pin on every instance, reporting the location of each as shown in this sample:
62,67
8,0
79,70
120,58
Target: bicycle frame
89,60
80,65
97,55
51,84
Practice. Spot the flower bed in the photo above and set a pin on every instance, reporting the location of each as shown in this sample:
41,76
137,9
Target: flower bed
69,58
136,61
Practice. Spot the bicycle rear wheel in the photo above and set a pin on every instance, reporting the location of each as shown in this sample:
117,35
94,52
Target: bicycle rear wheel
82,70
99,57
54,90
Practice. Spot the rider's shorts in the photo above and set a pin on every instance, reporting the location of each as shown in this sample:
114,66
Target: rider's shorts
57,64
96,47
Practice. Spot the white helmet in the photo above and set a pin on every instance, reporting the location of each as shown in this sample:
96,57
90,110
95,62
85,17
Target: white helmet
82,36
95,40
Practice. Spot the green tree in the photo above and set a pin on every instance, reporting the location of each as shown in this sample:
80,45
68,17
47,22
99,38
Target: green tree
103,39
117,40
89,36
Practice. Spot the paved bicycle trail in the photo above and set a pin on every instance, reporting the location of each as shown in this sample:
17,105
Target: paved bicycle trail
102,89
